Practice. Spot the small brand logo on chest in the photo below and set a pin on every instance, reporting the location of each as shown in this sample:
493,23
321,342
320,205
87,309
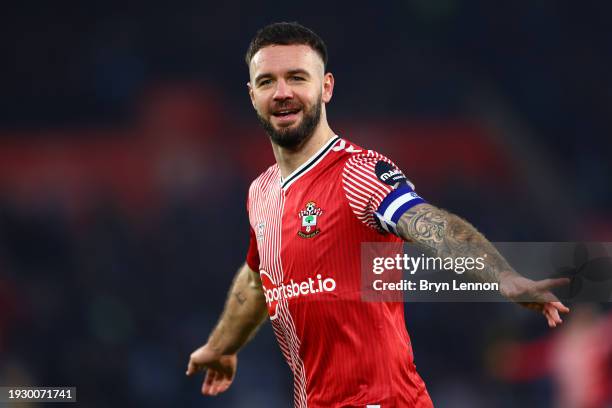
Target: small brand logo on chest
260,230
309,217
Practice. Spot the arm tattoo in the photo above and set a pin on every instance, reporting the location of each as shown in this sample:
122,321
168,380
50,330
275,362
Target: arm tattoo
240,297
425,226
442,234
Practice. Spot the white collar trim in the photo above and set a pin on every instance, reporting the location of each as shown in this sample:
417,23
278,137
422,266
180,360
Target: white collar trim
309,164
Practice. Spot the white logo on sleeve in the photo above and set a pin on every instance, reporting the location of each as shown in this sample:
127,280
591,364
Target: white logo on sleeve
390,173
342,146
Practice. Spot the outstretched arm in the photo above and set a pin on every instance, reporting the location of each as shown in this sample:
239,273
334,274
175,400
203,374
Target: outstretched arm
245,311
447,235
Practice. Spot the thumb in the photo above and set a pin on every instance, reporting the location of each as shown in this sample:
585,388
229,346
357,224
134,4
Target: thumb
193,367
190,368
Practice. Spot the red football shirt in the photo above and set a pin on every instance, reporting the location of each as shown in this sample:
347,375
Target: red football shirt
306,235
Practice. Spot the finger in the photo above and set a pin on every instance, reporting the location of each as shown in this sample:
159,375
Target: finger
214,384
547,317
217,381
226,384
551,322
553,313
214,389
560,307
207,386
221,386
225,381
547,284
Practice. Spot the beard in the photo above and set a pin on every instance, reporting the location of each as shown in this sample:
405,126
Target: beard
291,138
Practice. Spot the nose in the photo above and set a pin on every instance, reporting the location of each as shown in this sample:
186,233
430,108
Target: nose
283,91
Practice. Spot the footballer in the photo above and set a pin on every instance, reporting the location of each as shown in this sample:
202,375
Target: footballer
308,215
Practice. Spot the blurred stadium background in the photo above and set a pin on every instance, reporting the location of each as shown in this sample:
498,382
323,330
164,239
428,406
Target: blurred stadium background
127,143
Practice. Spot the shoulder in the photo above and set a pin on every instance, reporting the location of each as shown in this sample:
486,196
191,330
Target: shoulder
347,149
359,161
369,158
353,153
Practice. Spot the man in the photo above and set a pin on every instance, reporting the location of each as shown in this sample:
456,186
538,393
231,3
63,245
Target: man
309,214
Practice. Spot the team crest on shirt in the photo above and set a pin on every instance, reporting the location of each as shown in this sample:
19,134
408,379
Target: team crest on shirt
309,216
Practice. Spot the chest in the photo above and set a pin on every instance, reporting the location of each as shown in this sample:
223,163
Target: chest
294,227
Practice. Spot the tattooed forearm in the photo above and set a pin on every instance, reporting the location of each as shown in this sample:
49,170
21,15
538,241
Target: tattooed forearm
245,310
446,235
426,226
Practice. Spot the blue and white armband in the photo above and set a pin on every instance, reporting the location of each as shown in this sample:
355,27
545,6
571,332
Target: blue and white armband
395,205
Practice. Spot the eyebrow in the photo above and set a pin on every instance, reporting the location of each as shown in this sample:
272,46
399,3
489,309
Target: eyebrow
298,71
290,72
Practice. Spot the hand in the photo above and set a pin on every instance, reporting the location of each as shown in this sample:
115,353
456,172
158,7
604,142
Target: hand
221,369
535,295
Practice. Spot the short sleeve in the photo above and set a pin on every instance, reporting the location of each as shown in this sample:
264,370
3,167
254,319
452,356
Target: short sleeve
252,258
377,191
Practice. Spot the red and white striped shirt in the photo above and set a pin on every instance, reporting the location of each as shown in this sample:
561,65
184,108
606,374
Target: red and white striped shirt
306,235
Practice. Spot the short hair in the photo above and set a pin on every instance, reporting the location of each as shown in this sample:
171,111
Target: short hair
285,33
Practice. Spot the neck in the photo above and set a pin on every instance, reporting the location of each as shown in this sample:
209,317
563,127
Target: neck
290,159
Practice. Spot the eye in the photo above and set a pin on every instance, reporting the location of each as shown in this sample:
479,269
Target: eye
265,82
297,78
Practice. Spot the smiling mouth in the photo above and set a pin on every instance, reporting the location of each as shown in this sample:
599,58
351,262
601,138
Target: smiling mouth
285,112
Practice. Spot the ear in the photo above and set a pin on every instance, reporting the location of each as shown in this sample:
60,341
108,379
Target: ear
328,87
251,93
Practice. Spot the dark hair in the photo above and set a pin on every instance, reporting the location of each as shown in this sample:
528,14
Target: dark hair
286,34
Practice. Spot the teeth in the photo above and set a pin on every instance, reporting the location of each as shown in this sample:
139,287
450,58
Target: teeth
285,112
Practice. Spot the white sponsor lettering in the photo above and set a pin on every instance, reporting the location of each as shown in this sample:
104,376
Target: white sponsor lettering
295,289
390,174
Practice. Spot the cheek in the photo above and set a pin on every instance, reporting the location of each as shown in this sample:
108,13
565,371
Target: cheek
261,104
307,97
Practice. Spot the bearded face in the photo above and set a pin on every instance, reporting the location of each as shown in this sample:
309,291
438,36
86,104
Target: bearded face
288,87
295,134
